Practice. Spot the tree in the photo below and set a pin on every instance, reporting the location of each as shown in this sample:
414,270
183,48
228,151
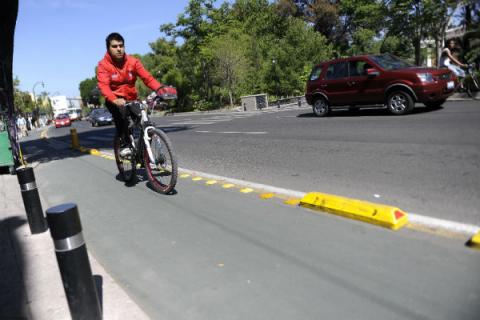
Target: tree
437,19
89,92
22,100
227,53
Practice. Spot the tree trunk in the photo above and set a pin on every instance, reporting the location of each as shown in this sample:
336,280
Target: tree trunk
416,45
230,95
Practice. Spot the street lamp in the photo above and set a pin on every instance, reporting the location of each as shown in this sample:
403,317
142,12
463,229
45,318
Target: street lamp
35,99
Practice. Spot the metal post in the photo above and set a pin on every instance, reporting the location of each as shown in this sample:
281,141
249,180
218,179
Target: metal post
74,137
299,102
31,200
72,258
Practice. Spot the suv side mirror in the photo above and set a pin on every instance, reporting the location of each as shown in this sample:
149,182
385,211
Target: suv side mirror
372,72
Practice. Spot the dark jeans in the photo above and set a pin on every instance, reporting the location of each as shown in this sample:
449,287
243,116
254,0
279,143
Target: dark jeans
119,118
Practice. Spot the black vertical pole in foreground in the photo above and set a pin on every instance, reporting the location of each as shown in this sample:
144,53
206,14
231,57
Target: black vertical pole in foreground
72,257
31,200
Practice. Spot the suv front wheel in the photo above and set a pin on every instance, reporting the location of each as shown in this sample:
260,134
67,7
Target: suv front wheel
320,107
400,102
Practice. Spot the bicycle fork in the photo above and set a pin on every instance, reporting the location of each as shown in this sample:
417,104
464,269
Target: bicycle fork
146,140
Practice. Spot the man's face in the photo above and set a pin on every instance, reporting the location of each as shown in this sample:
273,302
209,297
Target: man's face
116,50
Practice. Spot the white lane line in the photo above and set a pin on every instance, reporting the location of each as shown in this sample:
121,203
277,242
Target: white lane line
97,138
415,219
446,225
193,122
232,132
254,185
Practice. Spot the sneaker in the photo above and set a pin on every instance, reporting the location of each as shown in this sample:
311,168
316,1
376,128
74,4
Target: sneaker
125,150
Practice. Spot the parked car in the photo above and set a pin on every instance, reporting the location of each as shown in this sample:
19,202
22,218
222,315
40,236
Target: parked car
381,79
100,117
62,120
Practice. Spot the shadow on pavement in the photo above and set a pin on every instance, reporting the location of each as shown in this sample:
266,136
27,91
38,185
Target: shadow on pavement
368,111
13,295
58,147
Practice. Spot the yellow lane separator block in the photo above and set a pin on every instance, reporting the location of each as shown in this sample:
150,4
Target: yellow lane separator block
246,190
94,152
475,241
197,178
267,195
184,175
210,182
379,214
228,185
292,202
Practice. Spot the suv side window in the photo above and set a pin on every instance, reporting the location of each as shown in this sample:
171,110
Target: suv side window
316,73
358,68
337,70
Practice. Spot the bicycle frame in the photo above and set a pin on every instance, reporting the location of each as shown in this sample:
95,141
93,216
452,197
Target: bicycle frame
146,139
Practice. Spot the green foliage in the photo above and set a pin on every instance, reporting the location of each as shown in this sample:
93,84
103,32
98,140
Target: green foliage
215,55
89,91
22,100
364,42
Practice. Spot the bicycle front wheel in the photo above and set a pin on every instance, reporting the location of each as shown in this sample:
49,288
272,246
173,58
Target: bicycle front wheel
126,162
162,169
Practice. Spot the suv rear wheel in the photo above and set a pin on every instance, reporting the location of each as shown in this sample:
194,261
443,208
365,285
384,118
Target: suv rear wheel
400,102
320,107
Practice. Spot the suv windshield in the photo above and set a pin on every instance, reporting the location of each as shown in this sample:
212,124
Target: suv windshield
389,62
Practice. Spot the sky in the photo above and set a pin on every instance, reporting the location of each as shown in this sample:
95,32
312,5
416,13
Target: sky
59,42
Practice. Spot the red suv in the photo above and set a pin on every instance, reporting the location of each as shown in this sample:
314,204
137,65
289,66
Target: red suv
377,79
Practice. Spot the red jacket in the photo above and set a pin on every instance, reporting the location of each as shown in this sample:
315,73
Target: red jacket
118,80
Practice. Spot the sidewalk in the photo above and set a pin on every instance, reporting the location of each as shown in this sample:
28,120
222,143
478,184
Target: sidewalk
30,282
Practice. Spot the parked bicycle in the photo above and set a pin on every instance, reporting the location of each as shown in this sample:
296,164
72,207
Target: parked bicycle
148,147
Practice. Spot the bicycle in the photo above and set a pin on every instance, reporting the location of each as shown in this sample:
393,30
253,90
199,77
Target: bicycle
148,147
471,82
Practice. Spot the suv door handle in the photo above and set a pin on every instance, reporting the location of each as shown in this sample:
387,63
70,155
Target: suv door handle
351,83
323,85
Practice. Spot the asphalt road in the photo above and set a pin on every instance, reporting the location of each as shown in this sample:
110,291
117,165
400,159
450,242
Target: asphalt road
425,163
212,253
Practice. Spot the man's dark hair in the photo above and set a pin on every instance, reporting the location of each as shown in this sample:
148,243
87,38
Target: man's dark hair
114,36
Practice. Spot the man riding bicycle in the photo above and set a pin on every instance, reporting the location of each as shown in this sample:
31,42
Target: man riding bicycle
116,74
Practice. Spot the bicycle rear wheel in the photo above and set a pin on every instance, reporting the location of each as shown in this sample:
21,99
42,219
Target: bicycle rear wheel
162,172
472,86
126,164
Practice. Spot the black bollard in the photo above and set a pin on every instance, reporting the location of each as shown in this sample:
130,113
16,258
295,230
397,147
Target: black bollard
299,102
72,258
31,200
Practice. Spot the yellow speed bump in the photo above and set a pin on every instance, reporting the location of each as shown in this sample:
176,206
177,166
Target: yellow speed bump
475,241
379,214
